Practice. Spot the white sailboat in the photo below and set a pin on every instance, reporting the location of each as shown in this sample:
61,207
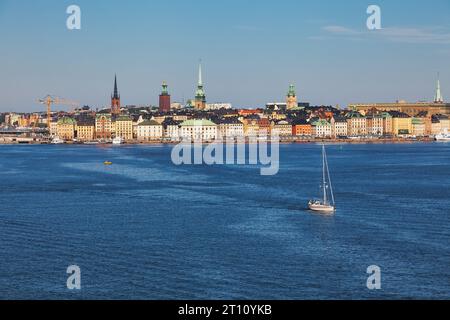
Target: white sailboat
326,205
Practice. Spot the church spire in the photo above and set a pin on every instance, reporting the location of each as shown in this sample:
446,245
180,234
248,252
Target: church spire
115,99
200,80
200,96
116,92
438,97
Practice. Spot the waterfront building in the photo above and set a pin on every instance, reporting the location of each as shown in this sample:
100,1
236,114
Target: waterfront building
85,129
171,129
251,127
164,99
103,126
387,123
438,106
401,123
149,130
265,127
115,99
53,128
435,126
200,96
356,124
445,122
302,128
229,128
322,128
281,128
291,98
418,127
439,124
339,127
375,124
124,127
195,130
65,128
402,106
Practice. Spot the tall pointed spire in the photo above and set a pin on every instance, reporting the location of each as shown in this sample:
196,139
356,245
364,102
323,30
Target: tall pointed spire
438,97
115,99
116,92
200,80
200,96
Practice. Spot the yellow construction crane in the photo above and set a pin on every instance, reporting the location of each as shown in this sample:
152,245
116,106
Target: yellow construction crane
53,100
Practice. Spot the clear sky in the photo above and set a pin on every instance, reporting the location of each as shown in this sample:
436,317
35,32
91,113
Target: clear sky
251,51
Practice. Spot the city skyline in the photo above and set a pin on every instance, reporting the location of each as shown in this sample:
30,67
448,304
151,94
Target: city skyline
324,49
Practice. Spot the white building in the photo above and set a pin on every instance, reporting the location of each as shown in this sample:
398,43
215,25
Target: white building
204,130
230,128
282,129
339,127
149,131
322,129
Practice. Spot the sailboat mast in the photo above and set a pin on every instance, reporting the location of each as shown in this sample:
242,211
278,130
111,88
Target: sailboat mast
329,180
324,183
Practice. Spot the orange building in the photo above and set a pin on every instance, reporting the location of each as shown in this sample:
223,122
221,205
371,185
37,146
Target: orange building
302,128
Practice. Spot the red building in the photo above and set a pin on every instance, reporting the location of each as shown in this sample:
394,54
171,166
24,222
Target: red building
164,99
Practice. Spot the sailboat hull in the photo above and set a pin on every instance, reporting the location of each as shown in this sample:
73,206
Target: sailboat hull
321,208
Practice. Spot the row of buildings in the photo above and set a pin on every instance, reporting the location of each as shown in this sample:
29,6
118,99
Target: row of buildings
198,119
317,122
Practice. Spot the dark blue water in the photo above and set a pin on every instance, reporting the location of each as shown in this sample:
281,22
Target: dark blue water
146,229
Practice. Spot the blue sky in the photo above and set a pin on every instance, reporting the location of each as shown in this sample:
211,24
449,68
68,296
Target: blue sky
251,51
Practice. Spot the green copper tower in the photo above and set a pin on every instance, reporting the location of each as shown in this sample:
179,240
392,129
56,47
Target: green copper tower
200,96
291,98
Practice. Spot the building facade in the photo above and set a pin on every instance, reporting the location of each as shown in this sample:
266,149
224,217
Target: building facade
103,126
149,130
66,128
124,127
198,130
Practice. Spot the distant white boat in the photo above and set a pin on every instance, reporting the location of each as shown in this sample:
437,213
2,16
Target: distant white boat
118,140
58,140
326,205
445,136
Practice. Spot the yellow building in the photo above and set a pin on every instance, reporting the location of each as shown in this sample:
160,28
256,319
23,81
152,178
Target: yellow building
86,130
418,127
251,127
65,128
356,124
412,109
401,124
124,127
